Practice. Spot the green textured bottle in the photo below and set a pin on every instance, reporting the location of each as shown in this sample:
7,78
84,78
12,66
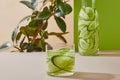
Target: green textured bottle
88,43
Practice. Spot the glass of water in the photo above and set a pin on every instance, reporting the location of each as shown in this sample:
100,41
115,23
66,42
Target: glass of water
60,60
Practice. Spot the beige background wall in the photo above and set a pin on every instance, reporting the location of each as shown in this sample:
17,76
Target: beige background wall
12,11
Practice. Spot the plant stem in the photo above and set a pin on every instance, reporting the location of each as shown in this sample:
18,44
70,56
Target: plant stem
18,48
37,31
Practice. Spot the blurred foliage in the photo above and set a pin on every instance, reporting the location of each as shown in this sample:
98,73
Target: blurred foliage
33,35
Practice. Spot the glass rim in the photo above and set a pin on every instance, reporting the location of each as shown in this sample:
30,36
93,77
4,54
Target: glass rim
60,46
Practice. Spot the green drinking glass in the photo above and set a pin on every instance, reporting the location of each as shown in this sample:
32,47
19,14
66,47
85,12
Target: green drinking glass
60,60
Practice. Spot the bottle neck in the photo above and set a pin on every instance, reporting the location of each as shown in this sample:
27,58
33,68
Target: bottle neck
88,3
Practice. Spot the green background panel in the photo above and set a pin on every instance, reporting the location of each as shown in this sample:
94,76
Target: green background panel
109,23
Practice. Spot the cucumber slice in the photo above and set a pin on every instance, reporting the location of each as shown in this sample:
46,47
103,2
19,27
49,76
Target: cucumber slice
52,68
90,12
82,24
85,33
64,63
92,25
83,14
87,13
84,44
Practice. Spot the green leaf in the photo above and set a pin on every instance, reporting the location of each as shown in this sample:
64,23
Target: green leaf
68,9
27,46
22,41
62,38
28,4
18,35
55,33
39,43
34,15
24,46
23,30
33,24
45,35
59,35
34,4
27,31
61,24
30,47
63,7
45,25
45,14
33,1
58,13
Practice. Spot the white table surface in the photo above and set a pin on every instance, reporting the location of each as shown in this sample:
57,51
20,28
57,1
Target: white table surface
32,66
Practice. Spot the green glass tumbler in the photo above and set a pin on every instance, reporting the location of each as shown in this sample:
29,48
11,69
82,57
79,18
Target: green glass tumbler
60,61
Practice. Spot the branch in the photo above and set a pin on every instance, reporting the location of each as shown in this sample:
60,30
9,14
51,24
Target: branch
37,31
